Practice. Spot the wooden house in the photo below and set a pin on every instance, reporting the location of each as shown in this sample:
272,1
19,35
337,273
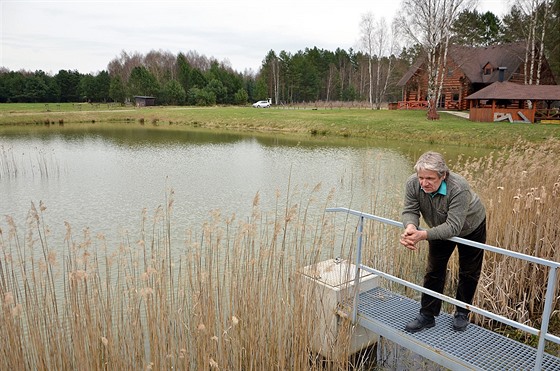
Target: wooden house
468,70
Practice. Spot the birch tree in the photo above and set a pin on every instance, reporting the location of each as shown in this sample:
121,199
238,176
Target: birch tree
378,41
429,24
331,78
123,65
367,41
385,48
536,12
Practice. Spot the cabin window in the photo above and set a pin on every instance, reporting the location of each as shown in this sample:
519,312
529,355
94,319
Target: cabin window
488,70
455,97
450,72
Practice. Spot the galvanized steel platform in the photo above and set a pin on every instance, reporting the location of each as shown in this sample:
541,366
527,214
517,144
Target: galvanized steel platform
387,313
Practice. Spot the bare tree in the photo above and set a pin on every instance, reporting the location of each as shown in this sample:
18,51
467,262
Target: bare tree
123,65
379,43
331,79
198,61
428,23
367,42
160,64
536,12
385,48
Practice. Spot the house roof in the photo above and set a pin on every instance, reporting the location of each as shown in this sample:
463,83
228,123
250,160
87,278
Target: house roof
411,71
512,91
472,60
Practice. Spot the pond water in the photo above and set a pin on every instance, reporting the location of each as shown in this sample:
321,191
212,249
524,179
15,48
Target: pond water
102,178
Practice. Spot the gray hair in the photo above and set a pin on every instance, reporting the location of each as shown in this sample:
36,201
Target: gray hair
432,161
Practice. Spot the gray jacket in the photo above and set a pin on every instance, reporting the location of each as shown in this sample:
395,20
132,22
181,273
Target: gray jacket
456,214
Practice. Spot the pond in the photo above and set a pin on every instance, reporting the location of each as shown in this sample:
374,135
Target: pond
101,178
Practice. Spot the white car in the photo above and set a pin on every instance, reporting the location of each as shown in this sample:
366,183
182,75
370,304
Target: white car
261,104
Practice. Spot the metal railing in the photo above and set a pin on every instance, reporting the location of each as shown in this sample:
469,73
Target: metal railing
541,333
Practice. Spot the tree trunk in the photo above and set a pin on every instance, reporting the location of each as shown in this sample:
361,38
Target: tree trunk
541,46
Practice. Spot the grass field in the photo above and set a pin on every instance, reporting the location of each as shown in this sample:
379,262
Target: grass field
407,126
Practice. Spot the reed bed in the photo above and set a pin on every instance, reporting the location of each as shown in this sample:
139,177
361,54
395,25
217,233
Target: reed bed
230,300
521,188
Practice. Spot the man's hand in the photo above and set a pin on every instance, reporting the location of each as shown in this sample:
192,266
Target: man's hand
411,236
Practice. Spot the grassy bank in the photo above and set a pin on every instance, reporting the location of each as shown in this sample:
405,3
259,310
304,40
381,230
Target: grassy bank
408,126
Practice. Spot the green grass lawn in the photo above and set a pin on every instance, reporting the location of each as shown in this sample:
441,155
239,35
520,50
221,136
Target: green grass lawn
407,126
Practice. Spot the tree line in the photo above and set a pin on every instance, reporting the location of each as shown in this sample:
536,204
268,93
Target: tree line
368,73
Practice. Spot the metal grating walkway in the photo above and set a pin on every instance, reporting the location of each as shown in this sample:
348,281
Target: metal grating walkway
387,313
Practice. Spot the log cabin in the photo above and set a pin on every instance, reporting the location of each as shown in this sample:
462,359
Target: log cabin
468,70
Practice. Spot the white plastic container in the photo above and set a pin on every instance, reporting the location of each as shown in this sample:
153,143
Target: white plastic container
330,285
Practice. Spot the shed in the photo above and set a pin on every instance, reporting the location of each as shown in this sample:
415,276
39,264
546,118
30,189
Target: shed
513,102
143,101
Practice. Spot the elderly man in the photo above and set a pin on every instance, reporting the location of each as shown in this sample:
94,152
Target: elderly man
450,208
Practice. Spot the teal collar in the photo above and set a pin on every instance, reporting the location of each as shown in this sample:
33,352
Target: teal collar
442,190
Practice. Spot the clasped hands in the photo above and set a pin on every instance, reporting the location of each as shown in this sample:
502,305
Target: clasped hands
412,236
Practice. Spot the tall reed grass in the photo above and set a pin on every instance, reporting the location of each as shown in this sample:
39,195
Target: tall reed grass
521,188
231,299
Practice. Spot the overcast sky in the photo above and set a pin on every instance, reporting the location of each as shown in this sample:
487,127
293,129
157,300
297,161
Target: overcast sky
86,35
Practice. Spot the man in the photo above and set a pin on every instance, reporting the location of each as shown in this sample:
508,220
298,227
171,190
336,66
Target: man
450,208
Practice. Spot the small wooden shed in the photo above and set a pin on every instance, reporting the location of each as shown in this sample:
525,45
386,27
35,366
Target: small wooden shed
508,101
144,101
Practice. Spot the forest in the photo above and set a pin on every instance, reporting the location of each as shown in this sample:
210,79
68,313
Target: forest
369,73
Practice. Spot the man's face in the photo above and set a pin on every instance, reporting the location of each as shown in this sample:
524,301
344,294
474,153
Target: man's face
429,180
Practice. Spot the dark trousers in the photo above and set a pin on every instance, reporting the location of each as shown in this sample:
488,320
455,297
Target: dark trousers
470,265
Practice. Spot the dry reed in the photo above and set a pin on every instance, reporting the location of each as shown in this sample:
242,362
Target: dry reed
521,187
229,299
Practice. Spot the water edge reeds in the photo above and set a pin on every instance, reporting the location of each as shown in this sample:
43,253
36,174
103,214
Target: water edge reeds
37,161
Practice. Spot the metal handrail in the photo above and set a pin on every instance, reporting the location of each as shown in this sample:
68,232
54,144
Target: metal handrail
542,333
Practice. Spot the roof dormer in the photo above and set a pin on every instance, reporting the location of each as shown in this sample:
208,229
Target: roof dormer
487,69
